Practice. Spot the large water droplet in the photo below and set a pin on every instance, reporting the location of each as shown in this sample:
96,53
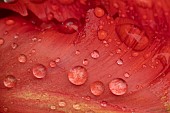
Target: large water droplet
39,71
10,81
85,62
118,86
102,34
78,75
22,58
62,103
97,88
99,12
2,41
10,1
132,36
95,54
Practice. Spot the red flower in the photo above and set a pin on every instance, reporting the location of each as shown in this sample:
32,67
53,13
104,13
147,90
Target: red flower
84,56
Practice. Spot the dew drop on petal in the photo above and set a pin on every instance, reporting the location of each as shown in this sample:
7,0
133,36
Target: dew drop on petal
53,107
76,106
118,51
52,64
22,58
119,62
97,88
85,62
2,41
102,34
99,12
57,60
77,52
10,81
103,103
127,75
62,103
95,54
78,75
9,22
14,45
10,1
39,71
118,86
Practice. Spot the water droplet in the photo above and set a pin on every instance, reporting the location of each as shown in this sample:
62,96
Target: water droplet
103,103
119,62
39,71
10,1
34,39
50,16
78,75
10,81
97,88
135,54
57,60
85,62
95,54
22,58
102,34
16,36
62,103
99,12
2,41
118,51
76,106
132,36
77,52
9,22
53,107
53,64
118,86
14,45
127,75
5,109
69,26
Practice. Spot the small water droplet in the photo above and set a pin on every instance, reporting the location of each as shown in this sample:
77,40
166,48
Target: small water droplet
76,106
62,103
97,88
14,45
127,75
102,34
39,71
53,107
16,36
57,60
2,41
119,62
53,64
135,54
95,54
10,1
22,58
118,86
118,51
9,22
34,39
103,103
78,75
5,109
77,52
99,12
10,81
85,62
